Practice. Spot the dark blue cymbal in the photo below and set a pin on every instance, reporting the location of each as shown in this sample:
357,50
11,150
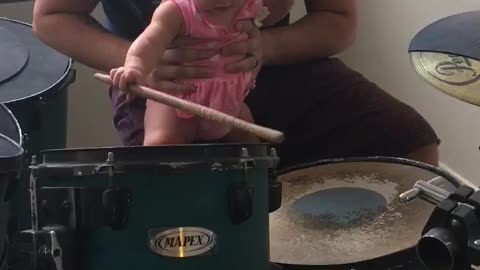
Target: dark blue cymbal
457,34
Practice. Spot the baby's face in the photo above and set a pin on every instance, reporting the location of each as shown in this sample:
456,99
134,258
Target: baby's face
218,7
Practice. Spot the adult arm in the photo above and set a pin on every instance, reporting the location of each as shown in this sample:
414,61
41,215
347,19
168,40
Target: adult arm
68,27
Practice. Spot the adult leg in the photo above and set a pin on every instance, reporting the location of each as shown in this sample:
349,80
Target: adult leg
327,110
428,154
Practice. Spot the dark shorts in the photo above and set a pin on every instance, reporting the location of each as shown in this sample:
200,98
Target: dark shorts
325,109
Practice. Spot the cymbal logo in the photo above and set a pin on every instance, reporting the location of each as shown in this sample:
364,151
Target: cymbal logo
456,70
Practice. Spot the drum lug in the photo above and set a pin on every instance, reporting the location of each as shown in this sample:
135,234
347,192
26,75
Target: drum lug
240,194
115,200
274,187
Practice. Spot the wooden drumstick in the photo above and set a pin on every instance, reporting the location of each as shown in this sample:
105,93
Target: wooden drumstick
268,134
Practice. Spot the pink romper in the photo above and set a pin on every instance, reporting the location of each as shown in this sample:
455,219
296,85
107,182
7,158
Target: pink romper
224,92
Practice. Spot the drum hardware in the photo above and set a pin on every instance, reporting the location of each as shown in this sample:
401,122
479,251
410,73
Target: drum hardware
50,248
275,187
115,200
451,238
428,191
240,194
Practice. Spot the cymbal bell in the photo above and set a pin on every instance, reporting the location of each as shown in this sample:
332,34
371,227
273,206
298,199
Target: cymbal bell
446,54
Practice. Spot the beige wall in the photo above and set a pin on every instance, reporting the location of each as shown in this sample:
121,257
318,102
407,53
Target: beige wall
386,27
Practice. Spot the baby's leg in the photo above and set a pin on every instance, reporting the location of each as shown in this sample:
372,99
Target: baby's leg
238,135
163,126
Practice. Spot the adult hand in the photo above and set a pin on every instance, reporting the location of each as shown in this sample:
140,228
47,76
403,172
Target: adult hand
174,66
251,49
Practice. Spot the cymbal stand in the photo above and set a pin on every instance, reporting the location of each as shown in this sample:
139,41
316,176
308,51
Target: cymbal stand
451,237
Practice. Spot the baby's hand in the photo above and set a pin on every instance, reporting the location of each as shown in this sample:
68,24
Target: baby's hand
123,76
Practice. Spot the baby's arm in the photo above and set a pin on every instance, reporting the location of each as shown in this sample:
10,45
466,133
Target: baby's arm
147,50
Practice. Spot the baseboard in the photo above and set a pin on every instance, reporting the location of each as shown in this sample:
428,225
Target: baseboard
457,175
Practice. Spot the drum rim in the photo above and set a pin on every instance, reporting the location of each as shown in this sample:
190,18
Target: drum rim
16,123
134,156
14,162
63,78
386,159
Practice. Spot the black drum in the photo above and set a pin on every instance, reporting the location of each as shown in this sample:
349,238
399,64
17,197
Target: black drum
11,164
345,214
34,79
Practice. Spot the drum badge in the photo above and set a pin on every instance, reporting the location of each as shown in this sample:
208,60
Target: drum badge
181,242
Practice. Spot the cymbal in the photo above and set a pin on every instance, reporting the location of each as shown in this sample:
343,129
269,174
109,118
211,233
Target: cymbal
456,76
446,55
345,212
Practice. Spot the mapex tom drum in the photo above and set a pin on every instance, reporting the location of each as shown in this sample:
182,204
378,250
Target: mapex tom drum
33,84
170,207
345,214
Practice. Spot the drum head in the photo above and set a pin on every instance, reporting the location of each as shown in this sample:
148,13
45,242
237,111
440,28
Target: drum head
44,69
339,212
13,54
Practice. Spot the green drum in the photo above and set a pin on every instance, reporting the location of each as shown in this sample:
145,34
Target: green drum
170,207
33,84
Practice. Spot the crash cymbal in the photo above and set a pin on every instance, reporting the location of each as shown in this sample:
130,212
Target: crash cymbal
341,212
446,55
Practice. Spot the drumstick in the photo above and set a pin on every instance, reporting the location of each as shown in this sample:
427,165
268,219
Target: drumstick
268,134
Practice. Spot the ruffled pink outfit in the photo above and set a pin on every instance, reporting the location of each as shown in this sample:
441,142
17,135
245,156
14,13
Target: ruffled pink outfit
224,92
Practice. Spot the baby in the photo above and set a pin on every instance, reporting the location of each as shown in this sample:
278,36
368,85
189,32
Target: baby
209,20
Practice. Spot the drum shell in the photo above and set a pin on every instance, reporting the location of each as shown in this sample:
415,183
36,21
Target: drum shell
184,196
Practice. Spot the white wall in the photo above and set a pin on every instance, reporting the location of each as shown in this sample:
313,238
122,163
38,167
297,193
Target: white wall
380,52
